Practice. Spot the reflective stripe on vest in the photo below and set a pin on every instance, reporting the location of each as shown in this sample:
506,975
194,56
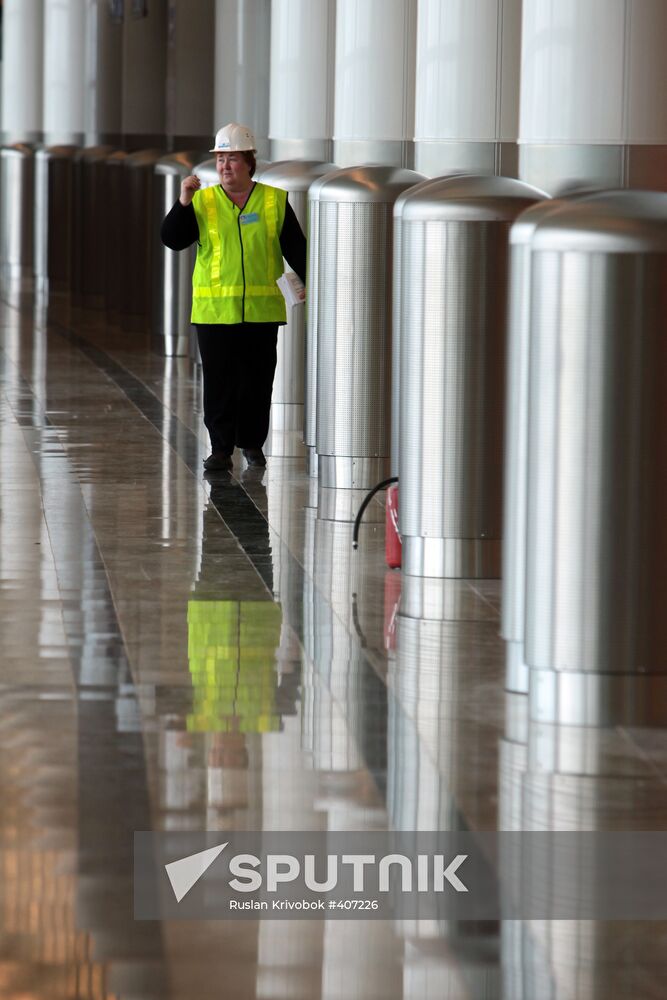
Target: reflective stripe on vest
239,257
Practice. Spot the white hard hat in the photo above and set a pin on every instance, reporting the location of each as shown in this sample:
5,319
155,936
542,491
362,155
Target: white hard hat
233,138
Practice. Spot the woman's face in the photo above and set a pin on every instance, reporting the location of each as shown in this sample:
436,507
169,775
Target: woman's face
233,171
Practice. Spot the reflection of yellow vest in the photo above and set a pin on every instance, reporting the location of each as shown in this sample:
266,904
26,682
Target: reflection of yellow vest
239,257
231,650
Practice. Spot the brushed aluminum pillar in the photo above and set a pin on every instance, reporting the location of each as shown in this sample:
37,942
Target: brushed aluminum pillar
354,324
467,87
594,94
516,441
286,426
172,271
397,322
596,631
454,247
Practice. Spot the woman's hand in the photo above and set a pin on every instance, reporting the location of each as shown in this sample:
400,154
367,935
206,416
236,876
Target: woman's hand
188,187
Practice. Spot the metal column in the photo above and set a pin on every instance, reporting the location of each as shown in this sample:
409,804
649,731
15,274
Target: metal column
596,630
454,246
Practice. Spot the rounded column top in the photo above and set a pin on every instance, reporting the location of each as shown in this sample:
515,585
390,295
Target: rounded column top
143,158
367,184
181,163
609,222
61,151
293,175
469,198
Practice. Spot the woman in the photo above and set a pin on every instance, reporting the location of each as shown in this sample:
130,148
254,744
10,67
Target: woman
243,231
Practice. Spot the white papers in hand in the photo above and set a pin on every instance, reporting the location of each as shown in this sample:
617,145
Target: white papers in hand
292,287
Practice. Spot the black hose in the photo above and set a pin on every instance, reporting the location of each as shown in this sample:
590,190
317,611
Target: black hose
367,499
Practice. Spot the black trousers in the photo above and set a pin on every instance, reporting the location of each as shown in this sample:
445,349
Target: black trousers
238,365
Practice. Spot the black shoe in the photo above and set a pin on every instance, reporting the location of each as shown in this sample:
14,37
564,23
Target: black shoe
218,462
254,456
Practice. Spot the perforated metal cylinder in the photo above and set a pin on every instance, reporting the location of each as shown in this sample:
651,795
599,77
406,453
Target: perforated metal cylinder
287,407
312,299
596,630
454,252
354,324
172,271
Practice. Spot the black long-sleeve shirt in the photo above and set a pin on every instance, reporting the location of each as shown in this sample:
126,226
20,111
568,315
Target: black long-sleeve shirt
180,230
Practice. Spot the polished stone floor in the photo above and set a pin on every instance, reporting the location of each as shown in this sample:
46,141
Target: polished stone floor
340,705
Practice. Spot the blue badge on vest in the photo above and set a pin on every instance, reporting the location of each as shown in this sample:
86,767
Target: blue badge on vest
249,217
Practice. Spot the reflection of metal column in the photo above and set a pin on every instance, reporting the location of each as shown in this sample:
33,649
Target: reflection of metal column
354,964
338,687
172,271
582,779
437,744
354,324
453,291
289,951
439,665
308,668
286,428
512,765
596,632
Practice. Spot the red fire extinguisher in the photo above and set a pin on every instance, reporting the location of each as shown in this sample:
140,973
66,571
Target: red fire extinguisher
392,538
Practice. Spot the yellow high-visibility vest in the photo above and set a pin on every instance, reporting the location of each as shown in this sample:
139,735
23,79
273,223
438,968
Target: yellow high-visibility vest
238,257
